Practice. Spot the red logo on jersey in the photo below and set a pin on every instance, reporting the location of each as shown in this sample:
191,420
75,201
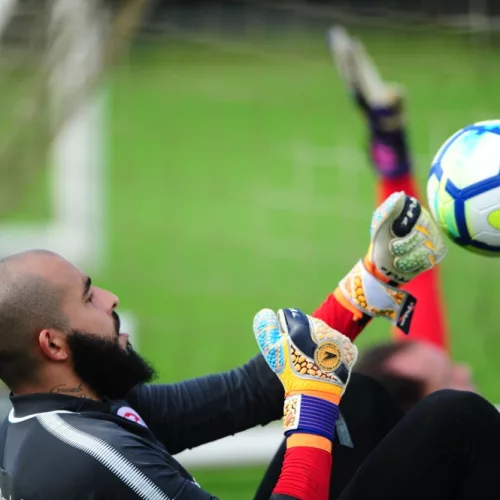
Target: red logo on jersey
131,414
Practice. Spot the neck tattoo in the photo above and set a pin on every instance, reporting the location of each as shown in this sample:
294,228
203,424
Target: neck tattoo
77,392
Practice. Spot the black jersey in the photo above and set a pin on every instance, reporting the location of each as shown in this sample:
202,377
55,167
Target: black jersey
54,446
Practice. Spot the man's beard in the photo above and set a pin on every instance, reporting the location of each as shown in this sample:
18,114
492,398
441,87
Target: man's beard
105,367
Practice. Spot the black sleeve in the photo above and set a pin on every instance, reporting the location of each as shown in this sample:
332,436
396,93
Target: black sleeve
201,410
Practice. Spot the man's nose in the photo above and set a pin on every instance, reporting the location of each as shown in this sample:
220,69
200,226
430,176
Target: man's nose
108,299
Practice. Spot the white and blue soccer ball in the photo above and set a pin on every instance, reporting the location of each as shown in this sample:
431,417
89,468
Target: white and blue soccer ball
463,189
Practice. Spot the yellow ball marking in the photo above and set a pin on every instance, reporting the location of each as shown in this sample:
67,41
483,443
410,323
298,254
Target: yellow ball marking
494,219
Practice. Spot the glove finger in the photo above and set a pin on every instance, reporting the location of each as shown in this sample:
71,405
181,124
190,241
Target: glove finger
384,217
295,324
423,228
425,234
436,239
421,259
269,338
406,245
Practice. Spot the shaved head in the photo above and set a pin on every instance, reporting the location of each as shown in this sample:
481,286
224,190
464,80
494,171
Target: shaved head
59,333
30,300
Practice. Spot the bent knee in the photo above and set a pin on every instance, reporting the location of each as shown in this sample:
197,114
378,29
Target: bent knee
448,403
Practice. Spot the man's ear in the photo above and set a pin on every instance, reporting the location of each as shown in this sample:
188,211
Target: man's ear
53,344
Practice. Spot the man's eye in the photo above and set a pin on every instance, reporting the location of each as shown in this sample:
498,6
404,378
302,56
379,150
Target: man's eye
90,297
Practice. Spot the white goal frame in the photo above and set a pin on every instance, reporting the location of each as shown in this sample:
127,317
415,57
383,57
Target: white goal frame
77,180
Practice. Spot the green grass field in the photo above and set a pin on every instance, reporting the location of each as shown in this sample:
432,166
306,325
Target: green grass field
238,180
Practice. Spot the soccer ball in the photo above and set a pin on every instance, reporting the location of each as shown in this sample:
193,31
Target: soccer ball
463,189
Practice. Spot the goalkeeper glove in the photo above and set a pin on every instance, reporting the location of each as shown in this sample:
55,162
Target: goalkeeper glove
405,241
312,361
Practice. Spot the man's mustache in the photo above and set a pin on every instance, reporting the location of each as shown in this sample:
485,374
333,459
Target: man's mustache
117,321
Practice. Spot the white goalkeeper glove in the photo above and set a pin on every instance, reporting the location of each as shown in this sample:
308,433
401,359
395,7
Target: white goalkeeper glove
405,241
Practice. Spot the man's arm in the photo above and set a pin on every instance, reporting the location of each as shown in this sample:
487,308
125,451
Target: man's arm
337,313
404,243
310,417
201,410
382,105
197,411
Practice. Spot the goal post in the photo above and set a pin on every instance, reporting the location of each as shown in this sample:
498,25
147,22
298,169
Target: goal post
68,141
63,106
77,160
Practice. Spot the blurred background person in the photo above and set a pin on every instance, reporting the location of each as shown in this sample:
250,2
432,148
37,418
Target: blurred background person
411,370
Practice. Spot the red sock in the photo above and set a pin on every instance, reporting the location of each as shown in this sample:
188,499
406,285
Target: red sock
428,322
305,474
338,314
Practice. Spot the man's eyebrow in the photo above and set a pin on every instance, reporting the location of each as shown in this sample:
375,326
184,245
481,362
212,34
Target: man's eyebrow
86,287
